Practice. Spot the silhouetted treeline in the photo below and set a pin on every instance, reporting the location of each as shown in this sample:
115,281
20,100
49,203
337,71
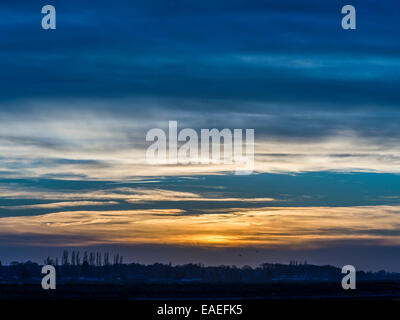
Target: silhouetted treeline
76,258
92,267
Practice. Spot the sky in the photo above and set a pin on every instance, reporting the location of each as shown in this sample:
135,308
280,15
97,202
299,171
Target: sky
76,104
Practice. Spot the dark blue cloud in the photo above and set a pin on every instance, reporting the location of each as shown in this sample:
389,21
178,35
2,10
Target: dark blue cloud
183,49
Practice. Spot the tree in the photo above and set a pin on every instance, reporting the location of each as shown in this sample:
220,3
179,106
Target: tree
106,259
116,259
98,259
64,258
91,259
73,261
85,257
48,261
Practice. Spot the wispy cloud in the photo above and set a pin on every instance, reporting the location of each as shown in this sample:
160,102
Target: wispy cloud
154,195
112,146
64,204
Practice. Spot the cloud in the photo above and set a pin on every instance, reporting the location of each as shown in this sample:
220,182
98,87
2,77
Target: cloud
230,50
266,227
311,212
154,195
104,145
57,205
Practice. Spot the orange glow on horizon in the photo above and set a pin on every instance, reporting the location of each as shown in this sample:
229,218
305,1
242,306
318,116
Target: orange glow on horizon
236,227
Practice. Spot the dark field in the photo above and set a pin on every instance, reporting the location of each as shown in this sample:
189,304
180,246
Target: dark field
381,290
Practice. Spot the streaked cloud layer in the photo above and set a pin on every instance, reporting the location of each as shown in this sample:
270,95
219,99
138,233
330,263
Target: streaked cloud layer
276,51
260,227
263,211
111,145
